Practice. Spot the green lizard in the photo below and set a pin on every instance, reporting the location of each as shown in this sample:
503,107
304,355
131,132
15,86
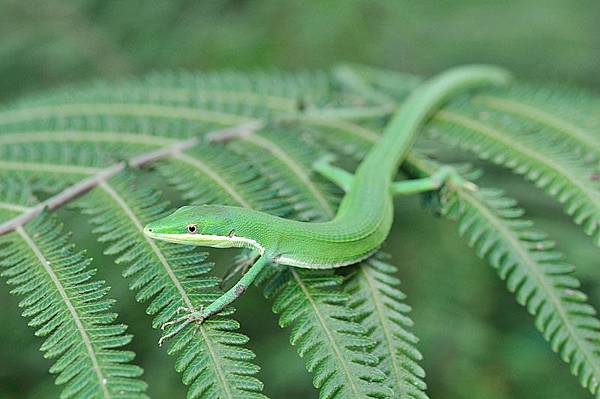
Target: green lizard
363,219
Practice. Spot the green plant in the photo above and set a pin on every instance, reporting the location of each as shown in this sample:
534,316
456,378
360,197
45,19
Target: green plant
250,140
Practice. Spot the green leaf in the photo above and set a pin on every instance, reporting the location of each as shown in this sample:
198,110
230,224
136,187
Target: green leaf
508,142
211,358
68,307
534,271
335,348
374,294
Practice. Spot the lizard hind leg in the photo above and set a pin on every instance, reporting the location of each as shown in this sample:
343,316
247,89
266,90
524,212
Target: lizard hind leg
199,316
444,175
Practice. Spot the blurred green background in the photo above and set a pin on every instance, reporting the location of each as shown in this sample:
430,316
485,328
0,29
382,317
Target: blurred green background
476,341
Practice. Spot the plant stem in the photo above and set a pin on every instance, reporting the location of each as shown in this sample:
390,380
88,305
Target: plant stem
83,186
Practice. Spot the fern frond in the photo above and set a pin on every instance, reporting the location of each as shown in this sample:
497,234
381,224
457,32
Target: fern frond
232,185
215,174
335,347
288,160
176,104
212,360
534,271
42,117
76,148
539,277
503,141
141,139
374,295
36,180
72,158
255,94
372,292
68,307
566,115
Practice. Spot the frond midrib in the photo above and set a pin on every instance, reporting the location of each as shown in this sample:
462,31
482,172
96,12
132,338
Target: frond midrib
83,136
13,207
218,96
179,112
123,109
48,167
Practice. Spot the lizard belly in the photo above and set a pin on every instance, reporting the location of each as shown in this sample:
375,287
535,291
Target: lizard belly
308,264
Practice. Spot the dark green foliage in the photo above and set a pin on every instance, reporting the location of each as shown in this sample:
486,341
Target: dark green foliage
68,307
334,347
519,145
537,274
350,326
211,358
374,294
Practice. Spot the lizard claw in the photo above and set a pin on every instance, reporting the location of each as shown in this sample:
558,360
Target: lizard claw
177,312
183,309
197,317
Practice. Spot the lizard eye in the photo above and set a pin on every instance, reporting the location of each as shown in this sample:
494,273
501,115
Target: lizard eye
191,228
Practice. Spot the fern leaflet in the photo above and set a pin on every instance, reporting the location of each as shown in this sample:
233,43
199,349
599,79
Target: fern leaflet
212,360
567,115
373,292
71,310
335,347
566,178
371,289
534,271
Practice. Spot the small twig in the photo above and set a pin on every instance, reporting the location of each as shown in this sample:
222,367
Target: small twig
85,185
234,132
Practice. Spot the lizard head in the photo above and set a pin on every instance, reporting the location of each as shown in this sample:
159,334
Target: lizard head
206,225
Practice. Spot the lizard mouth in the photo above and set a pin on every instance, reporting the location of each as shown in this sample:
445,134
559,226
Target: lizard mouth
207,240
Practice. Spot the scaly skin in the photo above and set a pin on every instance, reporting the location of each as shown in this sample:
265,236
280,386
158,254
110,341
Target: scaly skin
364,217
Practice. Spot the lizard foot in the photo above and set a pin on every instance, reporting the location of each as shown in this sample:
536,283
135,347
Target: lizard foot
197,317
449,175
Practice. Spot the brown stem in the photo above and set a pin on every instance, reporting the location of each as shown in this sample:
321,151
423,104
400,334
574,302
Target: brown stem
83,186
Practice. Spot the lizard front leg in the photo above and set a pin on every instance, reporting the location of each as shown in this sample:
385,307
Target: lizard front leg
220,303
